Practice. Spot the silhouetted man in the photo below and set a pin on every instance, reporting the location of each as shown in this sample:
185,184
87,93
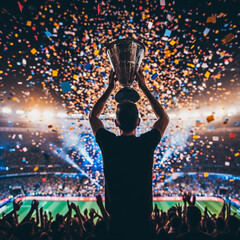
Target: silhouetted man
193,220
128,162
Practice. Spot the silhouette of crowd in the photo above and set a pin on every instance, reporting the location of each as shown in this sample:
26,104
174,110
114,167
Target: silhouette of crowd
178,222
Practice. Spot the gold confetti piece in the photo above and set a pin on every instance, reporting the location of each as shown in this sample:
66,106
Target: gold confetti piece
33,51
191,65
35,169
228,38
210,118
206,174
207,74
29,23
54,73
211,19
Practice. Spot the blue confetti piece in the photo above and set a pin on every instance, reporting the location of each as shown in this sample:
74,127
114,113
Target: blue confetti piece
66,87
103,73
168,32
206,31
48,34
211,127
235,123
87,66
154,76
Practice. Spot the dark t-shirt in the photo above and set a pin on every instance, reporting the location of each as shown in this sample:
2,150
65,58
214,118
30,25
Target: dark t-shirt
128,162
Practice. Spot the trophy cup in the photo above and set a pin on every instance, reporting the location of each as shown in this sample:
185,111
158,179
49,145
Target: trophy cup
125,57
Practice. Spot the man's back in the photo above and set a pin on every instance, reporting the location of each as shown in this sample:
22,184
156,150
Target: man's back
128,164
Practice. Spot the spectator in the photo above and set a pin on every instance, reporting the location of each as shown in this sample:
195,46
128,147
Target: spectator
193,221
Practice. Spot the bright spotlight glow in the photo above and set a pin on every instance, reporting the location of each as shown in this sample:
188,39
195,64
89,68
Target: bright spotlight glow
20,112
6,110
233,110
220,113
172,115
48,115
185,115
34,115
61,115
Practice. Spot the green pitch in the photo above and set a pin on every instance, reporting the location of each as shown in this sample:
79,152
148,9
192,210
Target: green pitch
61,207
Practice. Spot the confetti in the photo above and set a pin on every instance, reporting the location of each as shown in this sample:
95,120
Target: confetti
210,118
228,38
33,51
66,87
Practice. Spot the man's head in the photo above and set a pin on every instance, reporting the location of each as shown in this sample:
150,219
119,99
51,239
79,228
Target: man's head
127,118
193,216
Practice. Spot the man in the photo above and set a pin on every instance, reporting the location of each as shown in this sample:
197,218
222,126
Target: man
193,220
128,160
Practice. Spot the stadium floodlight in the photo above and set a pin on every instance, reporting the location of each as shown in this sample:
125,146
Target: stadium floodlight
48,115
19,112
6,110
34,115
61,115
172,115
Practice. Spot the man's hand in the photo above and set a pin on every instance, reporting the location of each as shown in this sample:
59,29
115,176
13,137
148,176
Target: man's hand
35,204
140,79
17,205
99,200
74,207
112,80
179,209
69,205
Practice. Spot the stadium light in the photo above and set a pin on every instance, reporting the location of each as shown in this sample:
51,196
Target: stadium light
48,115
34,115
6,110
61,115
19,112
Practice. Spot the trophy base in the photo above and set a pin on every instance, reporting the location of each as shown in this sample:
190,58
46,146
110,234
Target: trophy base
127,93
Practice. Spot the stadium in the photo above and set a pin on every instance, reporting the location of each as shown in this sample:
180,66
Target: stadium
53,70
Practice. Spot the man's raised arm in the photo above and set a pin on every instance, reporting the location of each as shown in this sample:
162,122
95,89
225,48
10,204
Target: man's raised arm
95,122
162,116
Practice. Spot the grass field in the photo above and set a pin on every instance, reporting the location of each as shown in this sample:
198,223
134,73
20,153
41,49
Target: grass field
61,207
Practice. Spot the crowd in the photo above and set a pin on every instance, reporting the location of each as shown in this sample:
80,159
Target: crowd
49,185
177,222
76,185
199,185
25,152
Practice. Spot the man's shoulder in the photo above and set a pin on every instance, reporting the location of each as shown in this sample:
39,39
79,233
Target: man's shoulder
104,131
152,132
151,138
103,134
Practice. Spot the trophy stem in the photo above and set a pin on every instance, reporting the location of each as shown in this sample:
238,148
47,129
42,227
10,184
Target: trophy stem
127,93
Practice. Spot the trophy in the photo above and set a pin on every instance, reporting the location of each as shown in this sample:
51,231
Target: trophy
125,56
